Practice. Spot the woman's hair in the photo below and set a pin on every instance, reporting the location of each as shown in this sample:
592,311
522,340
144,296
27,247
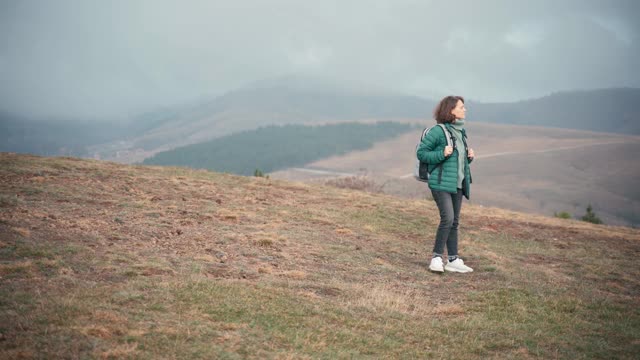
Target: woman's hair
442,112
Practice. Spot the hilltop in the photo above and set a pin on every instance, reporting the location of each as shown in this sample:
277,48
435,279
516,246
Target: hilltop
99,259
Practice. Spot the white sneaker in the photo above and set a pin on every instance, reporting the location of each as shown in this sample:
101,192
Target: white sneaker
436,264
457,265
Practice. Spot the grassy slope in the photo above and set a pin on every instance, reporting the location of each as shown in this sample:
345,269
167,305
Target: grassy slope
106,260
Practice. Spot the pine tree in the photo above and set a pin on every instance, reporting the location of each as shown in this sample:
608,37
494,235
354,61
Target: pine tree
591,217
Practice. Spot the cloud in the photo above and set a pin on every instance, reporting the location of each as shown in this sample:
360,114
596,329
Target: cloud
95,59
526,35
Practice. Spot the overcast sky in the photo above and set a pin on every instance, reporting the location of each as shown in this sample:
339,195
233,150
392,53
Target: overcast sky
101,59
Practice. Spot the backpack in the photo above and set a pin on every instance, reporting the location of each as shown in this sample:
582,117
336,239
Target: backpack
421,171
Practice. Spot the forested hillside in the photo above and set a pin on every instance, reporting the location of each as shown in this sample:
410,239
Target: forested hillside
278,147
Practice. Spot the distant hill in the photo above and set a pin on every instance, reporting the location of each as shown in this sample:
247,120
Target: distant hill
604,110
52,137
72,137
285,102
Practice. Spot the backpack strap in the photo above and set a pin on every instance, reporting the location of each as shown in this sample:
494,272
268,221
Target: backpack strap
424,133
451,141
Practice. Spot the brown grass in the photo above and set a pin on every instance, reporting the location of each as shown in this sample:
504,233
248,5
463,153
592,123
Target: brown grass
295,274
361,183
22,232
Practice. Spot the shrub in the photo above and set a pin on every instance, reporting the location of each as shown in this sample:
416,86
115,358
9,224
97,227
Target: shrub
562,215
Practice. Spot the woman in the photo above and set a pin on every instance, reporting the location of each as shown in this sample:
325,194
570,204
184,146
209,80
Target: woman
450,179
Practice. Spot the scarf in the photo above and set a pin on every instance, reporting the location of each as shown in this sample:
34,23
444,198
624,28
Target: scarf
457,127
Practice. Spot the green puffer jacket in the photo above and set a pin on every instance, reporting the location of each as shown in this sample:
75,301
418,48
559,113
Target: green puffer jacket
431,151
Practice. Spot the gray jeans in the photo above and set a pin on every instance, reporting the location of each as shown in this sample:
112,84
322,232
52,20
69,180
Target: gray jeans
449,205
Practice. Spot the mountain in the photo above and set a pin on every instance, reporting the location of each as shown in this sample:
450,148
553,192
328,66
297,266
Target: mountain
104,260
294,100
603,110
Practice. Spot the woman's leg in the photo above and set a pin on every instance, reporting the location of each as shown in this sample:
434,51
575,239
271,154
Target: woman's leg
452,240
445,206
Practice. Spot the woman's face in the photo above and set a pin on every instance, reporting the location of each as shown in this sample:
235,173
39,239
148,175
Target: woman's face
459,110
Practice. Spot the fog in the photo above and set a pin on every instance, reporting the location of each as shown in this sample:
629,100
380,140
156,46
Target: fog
114,59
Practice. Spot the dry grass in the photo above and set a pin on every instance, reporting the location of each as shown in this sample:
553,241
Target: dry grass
386,299
18,267
22,232
100,260
361,183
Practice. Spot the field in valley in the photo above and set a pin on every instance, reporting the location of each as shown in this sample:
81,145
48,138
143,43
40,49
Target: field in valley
531,169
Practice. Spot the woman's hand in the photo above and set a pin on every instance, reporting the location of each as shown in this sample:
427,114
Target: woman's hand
471,154
448,150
